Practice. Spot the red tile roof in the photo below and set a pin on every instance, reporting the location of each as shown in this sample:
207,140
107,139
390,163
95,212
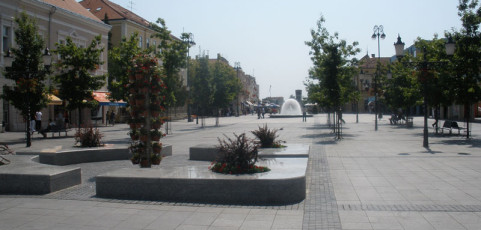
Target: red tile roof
72,6
114,12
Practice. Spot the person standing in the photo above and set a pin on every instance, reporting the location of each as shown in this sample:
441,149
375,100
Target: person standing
112,118
38,121
107,118
304,115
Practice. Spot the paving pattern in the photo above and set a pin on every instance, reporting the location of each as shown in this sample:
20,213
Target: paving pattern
368,180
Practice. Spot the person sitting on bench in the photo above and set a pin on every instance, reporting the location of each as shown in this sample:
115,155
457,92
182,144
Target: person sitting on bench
51,125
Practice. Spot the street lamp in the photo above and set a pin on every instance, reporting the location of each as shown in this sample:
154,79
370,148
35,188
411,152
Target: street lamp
424,66
378,33
237,68
190,41
47,60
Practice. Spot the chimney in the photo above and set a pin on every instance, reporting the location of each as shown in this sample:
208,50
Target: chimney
373,55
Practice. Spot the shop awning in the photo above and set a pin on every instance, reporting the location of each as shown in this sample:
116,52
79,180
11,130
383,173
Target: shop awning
54,100
102,98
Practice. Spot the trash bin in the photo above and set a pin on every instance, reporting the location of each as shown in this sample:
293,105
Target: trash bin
409,122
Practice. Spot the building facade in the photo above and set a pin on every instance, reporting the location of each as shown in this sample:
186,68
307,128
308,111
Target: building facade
364,82
124,24
56,20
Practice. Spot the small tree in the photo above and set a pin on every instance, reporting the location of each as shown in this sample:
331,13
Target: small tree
225,85
467,57
172,54
120,62
403,89
28,94
76,83
330,78
201,85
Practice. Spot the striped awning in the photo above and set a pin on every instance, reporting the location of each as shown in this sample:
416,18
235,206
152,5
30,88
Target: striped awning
102,98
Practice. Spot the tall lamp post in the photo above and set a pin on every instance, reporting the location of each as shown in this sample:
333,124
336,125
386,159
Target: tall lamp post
378,33
424,66
47,60
237,68
189,41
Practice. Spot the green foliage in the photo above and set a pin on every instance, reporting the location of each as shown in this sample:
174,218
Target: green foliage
225,84
120,63
330,78
467,57
237,156
403,89
88,137
173,55
214,83
202,89
27,71
267,137
76,83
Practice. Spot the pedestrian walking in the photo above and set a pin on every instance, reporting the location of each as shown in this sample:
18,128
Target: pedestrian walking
38,121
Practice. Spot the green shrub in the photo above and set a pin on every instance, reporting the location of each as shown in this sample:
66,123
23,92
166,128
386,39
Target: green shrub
237,156
267,137
88,137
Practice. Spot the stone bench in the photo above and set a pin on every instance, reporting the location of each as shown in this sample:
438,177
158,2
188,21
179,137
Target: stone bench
284,184
84,155
24,176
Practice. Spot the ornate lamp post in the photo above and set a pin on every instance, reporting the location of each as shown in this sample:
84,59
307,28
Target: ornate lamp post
424,66
47,61
378,33
237,68
189,41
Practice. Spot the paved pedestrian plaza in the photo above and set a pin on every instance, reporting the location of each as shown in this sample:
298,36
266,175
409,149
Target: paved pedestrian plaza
370,179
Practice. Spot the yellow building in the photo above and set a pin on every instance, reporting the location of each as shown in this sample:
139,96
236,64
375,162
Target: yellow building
56,20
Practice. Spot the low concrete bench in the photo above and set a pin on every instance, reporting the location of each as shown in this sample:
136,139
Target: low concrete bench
84,155
284,184
24,176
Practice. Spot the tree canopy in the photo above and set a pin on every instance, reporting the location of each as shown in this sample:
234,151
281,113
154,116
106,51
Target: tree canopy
75,80
28,94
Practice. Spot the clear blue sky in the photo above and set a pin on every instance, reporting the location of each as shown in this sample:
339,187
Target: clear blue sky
267,36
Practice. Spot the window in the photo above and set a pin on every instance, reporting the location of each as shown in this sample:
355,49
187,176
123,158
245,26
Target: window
140,41
148,43
155,46
6,38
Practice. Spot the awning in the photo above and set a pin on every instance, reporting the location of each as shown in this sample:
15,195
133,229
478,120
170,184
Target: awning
54,100
102,98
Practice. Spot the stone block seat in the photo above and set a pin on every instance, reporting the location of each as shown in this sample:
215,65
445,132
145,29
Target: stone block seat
25,176
84,155
284,184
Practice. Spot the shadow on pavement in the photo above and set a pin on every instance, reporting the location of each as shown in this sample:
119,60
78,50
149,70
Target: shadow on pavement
473,143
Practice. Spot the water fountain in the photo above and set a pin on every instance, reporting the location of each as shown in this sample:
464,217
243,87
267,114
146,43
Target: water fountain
290,108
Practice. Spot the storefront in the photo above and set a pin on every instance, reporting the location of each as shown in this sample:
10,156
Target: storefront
107,106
